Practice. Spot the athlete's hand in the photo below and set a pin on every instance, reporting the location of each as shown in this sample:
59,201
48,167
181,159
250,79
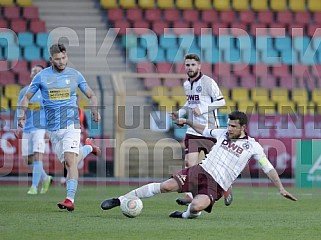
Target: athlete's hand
96,116
173,115
21,122
180,122
196,111
288,195
17,132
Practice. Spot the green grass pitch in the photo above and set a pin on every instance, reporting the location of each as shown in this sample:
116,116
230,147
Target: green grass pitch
256,213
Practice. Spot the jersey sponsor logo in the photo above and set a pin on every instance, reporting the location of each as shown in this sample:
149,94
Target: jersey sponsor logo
193,99
182,178
232,147
199,89
59,94
34,106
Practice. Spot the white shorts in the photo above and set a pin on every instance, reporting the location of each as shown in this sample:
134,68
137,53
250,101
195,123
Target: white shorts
65,140
33,142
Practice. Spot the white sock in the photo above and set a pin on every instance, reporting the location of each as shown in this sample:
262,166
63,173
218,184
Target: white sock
145,191
188,214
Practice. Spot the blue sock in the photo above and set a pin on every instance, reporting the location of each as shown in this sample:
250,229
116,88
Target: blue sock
44,175
36,173
71,189
85,150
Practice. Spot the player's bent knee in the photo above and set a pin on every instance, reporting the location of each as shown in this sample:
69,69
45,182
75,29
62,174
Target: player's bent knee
169,185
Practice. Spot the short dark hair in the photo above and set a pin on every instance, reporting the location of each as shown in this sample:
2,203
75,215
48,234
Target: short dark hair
238,115
192,56
57,48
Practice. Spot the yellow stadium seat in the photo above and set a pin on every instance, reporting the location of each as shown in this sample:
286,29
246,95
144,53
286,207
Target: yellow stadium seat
240,5
12,90
127,4
246,106
229,107
259,95
266,108
316,96
167,104
203,4
286,107
184,4
279,95
300,96
297,5
159,92
165,4
146,4
7,3
226,93
221,5
107,4
278,5
24,3
180,100
314,5
177,91
259,5
307,108
4,103
240,94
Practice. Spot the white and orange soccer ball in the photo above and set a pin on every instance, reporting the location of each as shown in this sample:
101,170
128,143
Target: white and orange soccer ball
131,206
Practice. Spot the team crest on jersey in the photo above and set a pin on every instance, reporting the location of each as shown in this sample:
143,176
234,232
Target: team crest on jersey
199,89
246,145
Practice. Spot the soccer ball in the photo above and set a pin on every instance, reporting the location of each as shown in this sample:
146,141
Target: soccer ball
131,206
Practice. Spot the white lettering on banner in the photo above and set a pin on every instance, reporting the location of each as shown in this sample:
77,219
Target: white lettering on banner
311,131
316,166
256,132
291,131
7,148
312,178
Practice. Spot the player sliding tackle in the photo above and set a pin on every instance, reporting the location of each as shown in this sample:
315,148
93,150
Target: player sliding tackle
216,173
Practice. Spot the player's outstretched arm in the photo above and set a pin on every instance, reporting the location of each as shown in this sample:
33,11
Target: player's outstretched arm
23,107
197,127
273,175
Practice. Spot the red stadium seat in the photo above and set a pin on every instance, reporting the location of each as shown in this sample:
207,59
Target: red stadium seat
239,29
30,12
222,69
317,17
159,26
248,81
115,14
134,14
265,17
267,81
314,30
180,68
280,70
227,16
4,66
181,28
206,68
19,66
260,70
302,17
24,78
259,29
149,83
153,14
242,70
171,15
284,17
164,67
296,30
169,82
190,15
209,16
18,25
220,28
7,77
201,27
247,16
11,12
37,26
3,23
145,67
141,27
277,29
123,25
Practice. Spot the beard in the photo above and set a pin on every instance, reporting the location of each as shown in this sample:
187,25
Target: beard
192,74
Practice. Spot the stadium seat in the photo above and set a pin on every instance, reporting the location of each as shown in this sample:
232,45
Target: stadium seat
141,27
159,26
314,5
240,5
145,67
126,4
209,16
165,4
32,53
277,30
4,23
7,3
247,16
123,26
134,14
30,12
313,30
7,77
227,16
283,43
201,28
108,4
279,95
170,83
302,17
220,29
19,66
12,53
249,56
309,57
171,15
286,108
11,12
164,67
284,17
190,15
24,3
221,5
280,70
37,26
168,40
42,39
148,40
266,108
265,17
146,4
246,106
18,25
212,56
4,103
179,132
150,83
203,4
300,96
259,29
174,55
156,55
184,4
12,90
316,96
278,5
186,41
23,78
25,39
260,95
180,67
240,94
297,5
289,56
137,54
239,29
115,14
259,5
181,27
152,14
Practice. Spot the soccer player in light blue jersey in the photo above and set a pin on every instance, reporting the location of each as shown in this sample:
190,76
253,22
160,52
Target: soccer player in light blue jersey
58,85
33,138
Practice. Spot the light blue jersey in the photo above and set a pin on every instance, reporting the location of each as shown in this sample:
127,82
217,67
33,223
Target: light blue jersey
35,114
59,93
